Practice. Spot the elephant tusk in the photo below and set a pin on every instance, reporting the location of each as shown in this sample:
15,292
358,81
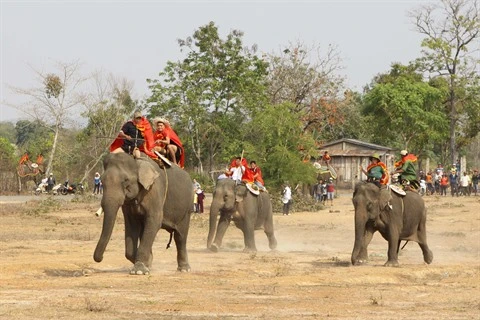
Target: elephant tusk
99,212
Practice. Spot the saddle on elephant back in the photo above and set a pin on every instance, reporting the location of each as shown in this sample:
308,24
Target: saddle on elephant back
325,170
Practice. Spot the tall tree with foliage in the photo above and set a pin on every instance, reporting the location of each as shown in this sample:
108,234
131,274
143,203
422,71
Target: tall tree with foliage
34,137
404,111
54,101
309,78
277,142
451,51
211,93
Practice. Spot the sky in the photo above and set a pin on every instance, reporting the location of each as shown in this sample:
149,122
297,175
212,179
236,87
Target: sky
135,39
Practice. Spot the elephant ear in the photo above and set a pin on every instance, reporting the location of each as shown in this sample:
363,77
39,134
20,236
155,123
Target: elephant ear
384,200
240,192
147,173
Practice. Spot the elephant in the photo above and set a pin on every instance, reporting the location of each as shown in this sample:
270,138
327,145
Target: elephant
152,198
396,217
249,212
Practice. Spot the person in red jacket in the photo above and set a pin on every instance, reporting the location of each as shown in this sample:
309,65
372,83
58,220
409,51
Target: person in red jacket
168,142
257,175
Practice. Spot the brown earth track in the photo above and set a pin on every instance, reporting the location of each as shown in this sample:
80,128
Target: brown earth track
47,269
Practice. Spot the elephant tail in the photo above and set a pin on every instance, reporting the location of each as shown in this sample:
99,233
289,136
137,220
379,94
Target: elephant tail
170,240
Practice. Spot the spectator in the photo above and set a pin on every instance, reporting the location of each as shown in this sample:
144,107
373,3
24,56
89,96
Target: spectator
465,184
200,198
330,191
50,182
475,178
429,181
324,192
443,185
286,199
453,178
96,183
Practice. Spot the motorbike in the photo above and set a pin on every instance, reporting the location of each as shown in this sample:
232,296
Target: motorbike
67,188
41,188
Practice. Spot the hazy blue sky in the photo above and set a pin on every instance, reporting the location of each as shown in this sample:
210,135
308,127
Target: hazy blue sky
134,39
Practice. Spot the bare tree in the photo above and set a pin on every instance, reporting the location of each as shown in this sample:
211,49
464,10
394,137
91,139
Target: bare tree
55,101
108,106
450,50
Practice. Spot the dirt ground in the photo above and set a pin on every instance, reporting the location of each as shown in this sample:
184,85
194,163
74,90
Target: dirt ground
47,269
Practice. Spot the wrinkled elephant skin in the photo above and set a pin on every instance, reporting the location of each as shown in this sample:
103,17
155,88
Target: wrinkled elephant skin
151,198
249,212
395,217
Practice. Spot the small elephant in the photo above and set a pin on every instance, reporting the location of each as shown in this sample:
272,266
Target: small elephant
395,217
151,198
249,212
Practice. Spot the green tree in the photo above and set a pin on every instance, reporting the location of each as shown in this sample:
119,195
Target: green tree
34,137
7,131
7,155
277,142
450,51
308,77
210,94
404,111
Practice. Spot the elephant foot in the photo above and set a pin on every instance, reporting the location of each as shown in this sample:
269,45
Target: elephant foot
428,257
250,250
359,262
183,268
213,248
272,244
391,263
139,268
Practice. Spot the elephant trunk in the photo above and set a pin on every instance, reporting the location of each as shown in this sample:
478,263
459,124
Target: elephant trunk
110,214
212,229
360,223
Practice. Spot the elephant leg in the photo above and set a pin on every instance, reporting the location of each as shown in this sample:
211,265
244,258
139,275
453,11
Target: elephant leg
133,229
393,247
223,224
422,242
182,256
249,237
363,253
268,228
144,255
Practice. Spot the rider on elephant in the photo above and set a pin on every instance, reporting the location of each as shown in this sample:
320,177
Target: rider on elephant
136,135
257,175
167,142
406,168
377,171
237,169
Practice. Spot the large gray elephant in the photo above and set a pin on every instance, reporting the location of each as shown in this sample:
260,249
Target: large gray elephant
249,213
151,198
395,217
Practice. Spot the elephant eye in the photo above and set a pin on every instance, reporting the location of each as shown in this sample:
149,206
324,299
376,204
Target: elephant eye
369,206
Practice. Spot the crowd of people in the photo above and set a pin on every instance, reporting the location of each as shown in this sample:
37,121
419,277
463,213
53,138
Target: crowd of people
440,181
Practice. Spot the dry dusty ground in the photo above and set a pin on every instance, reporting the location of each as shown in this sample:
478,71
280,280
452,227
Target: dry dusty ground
47,269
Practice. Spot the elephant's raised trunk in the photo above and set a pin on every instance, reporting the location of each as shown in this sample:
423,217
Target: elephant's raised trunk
110,214
212,229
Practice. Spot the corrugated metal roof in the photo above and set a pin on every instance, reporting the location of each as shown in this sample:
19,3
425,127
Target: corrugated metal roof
355,142
356,153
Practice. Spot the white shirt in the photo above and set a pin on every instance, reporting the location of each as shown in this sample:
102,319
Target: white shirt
287,195
464,181
237,173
